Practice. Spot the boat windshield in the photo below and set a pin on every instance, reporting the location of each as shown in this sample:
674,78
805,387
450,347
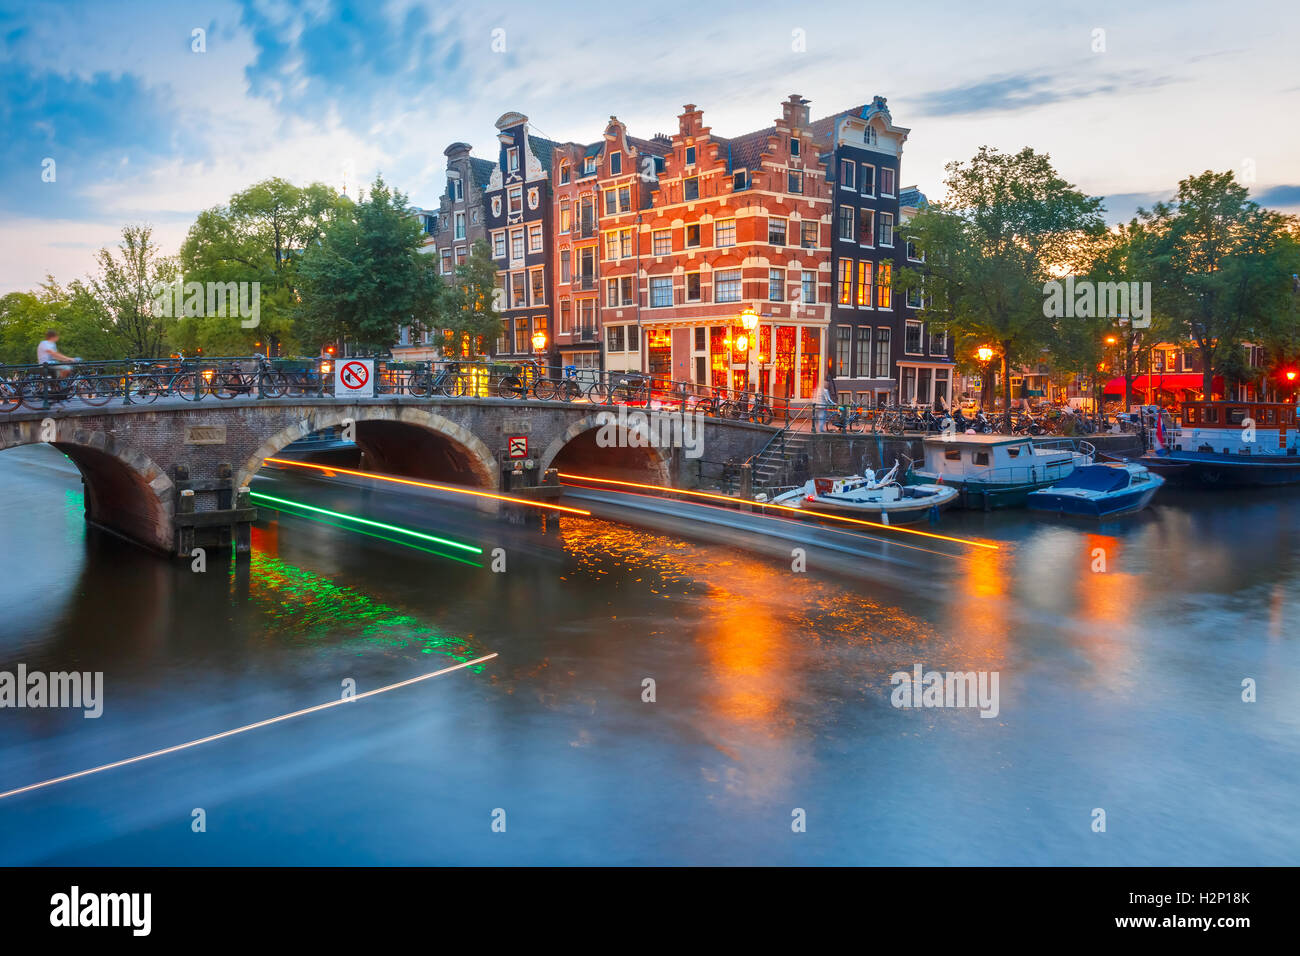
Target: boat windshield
1095,478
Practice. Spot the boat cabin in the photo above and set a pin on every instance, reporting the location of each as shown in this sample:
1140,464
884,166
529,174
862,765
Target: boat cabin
1002,458
1236,428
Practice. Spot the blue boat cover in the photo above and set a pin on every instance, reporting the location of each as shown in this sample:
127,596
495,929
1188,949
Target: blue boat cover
1095,478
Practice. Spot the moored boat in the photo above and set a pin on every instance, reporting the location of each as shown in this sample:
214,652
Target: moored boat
1229,444
875,498
997,471
1099,491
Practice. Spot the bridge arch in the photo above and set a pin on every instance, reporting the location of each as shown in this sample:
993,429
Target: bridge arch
399,439
126,491
577,449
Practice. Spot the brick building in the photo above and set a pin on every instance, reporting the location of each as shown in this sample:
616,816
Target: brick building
734,224
519,225
576,242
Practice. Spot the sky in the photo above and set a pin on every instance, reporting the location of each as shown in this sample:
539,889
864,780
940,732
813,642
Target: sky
142,126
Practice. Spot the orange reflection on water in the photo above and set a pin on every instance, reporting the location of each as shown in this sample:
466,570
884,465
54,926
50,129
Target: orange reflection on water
1104,608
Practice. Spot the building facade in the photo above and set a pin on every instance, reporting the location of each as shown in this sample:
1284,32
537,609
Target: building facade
734,225
881,353
519,224
576,241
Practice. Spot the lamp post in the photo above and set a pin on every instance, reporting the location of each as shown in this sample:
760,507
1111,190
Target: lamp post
985,355
746,343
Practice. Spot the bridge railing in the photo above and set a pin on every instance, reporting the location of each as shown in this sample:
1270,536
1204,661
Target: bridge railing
224,378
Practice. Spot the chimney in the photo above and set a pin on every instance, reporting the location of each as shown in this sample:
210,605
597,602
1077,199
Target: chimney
794,111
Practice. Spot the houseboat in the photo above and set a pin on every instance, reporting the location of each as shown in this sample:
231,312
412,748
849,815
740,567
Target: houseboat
997,471
1228,444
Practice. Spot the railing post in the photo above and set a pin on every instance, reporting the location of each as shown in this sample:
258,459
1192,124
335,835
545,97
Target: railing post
126,387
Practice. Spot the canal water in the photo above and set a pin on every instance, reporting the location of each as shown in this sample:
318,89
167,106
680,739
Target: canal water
1120,653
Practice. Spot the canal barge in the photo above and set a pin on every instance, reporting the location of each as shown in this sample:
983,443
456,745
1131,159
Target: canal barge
1228,444
997,471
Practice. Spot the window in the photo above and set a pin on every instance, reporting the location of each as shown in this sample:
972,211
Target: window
564,174
912,299
845,283
690,155
912,341
848,169
460,255
794,181
863,351
692,236
521,336
587,315
809,233
618,244
939,343
535,238
615,163
516,244
624,198
691,188
776,231
566,217
980,457
446,260
538,277
516,199
843,348
661,292
618,291
633,339
587,266
867,181
846,223
864,285
614,338
726,285
611,202
886,229
776,285
724,232
794,146
882,353
952,454
566,266
809,288
455,189
460,226
869,136
565,317
693,288
518,290
866,227
913,254
662,242
739,180
588,165
512,159
625,242
887,182
883,278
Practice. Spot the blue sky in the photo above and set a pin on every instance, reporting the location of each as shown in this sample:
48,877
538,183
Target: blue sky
143,129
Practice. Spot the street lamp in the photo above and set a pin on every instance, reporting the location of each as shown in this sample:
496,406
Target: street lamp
985,355
539,341
748,322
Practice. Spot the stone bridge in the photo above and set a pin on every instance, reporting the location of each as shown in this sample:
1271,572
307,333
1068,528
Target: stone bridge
175,473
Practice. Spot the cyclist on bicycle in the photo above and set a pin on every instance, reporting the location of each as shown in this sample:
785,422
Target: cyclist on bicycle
49,356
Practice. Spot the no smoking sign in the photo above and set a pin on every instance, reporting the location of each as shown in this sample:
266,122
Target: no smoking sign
355,379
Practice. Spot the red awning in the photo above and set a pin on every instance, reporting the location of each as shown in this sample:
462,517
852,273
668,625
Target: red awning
1168,382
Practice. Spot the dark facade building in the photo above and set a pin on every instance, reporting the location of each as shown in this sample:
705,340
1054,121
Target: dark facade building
519,210
880,353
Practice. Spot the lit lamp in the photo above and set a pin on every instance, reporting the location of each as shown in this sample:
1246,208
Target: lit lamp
749,322
539,341
1290,375
985,355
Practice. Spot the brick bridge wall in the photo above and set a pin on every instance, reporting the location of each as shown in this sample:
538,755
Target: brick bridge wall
129,455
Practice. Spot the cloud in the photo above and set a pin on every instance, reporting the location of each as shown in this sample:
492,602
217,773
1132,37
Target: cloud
1280,196
1022,91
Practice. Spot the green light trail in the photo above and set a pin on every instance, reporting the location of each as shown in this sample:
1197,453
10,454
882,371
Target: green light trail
374,524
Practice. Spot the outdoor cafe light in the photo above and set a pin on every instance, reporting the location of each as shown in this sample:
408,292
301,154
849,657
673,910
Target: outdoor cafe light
539,341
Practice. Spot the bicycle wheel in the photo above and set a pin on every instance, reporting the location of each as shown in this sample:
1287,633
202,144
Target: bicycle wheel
188,386
226,385
93,391
421,386
600,394
145,389
272,384
763,415
570,391
32,393
294,384
544,390
10,397
511,387
855,423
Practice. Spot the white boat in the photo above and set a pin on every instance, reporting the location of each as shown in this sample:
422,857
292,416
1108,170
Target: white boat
997,471
1099,491
881,498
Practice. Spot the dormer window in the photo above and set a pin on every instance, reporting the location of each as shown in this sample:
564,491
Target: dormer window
589,165
690,155
564,173
794,146
869,136
455,190
615,163
512,159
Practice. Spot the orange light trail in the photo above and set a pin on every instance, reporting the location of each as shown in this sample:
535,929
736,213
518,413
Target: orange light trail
332,470
798,511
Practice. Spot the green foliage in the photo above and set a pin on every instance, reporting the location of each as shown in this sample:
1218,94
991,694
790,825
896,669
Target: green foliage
122,296
26,316
469,306
365,277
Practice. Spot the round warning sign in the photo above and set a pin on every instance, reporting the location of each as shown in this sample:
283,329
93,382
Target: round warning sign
355,378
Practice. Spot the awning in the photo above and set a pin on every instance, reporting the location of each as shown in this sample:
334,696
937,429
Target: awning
1168,382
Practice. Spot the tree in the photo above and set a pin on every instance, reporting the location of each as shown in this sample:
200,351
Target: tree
259,236
365,277
122,295
1221,266
469,307
1007,225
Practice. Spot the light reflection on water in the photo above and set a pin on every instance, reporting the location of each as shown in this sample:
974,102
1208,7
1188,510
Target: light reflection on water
1119,689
